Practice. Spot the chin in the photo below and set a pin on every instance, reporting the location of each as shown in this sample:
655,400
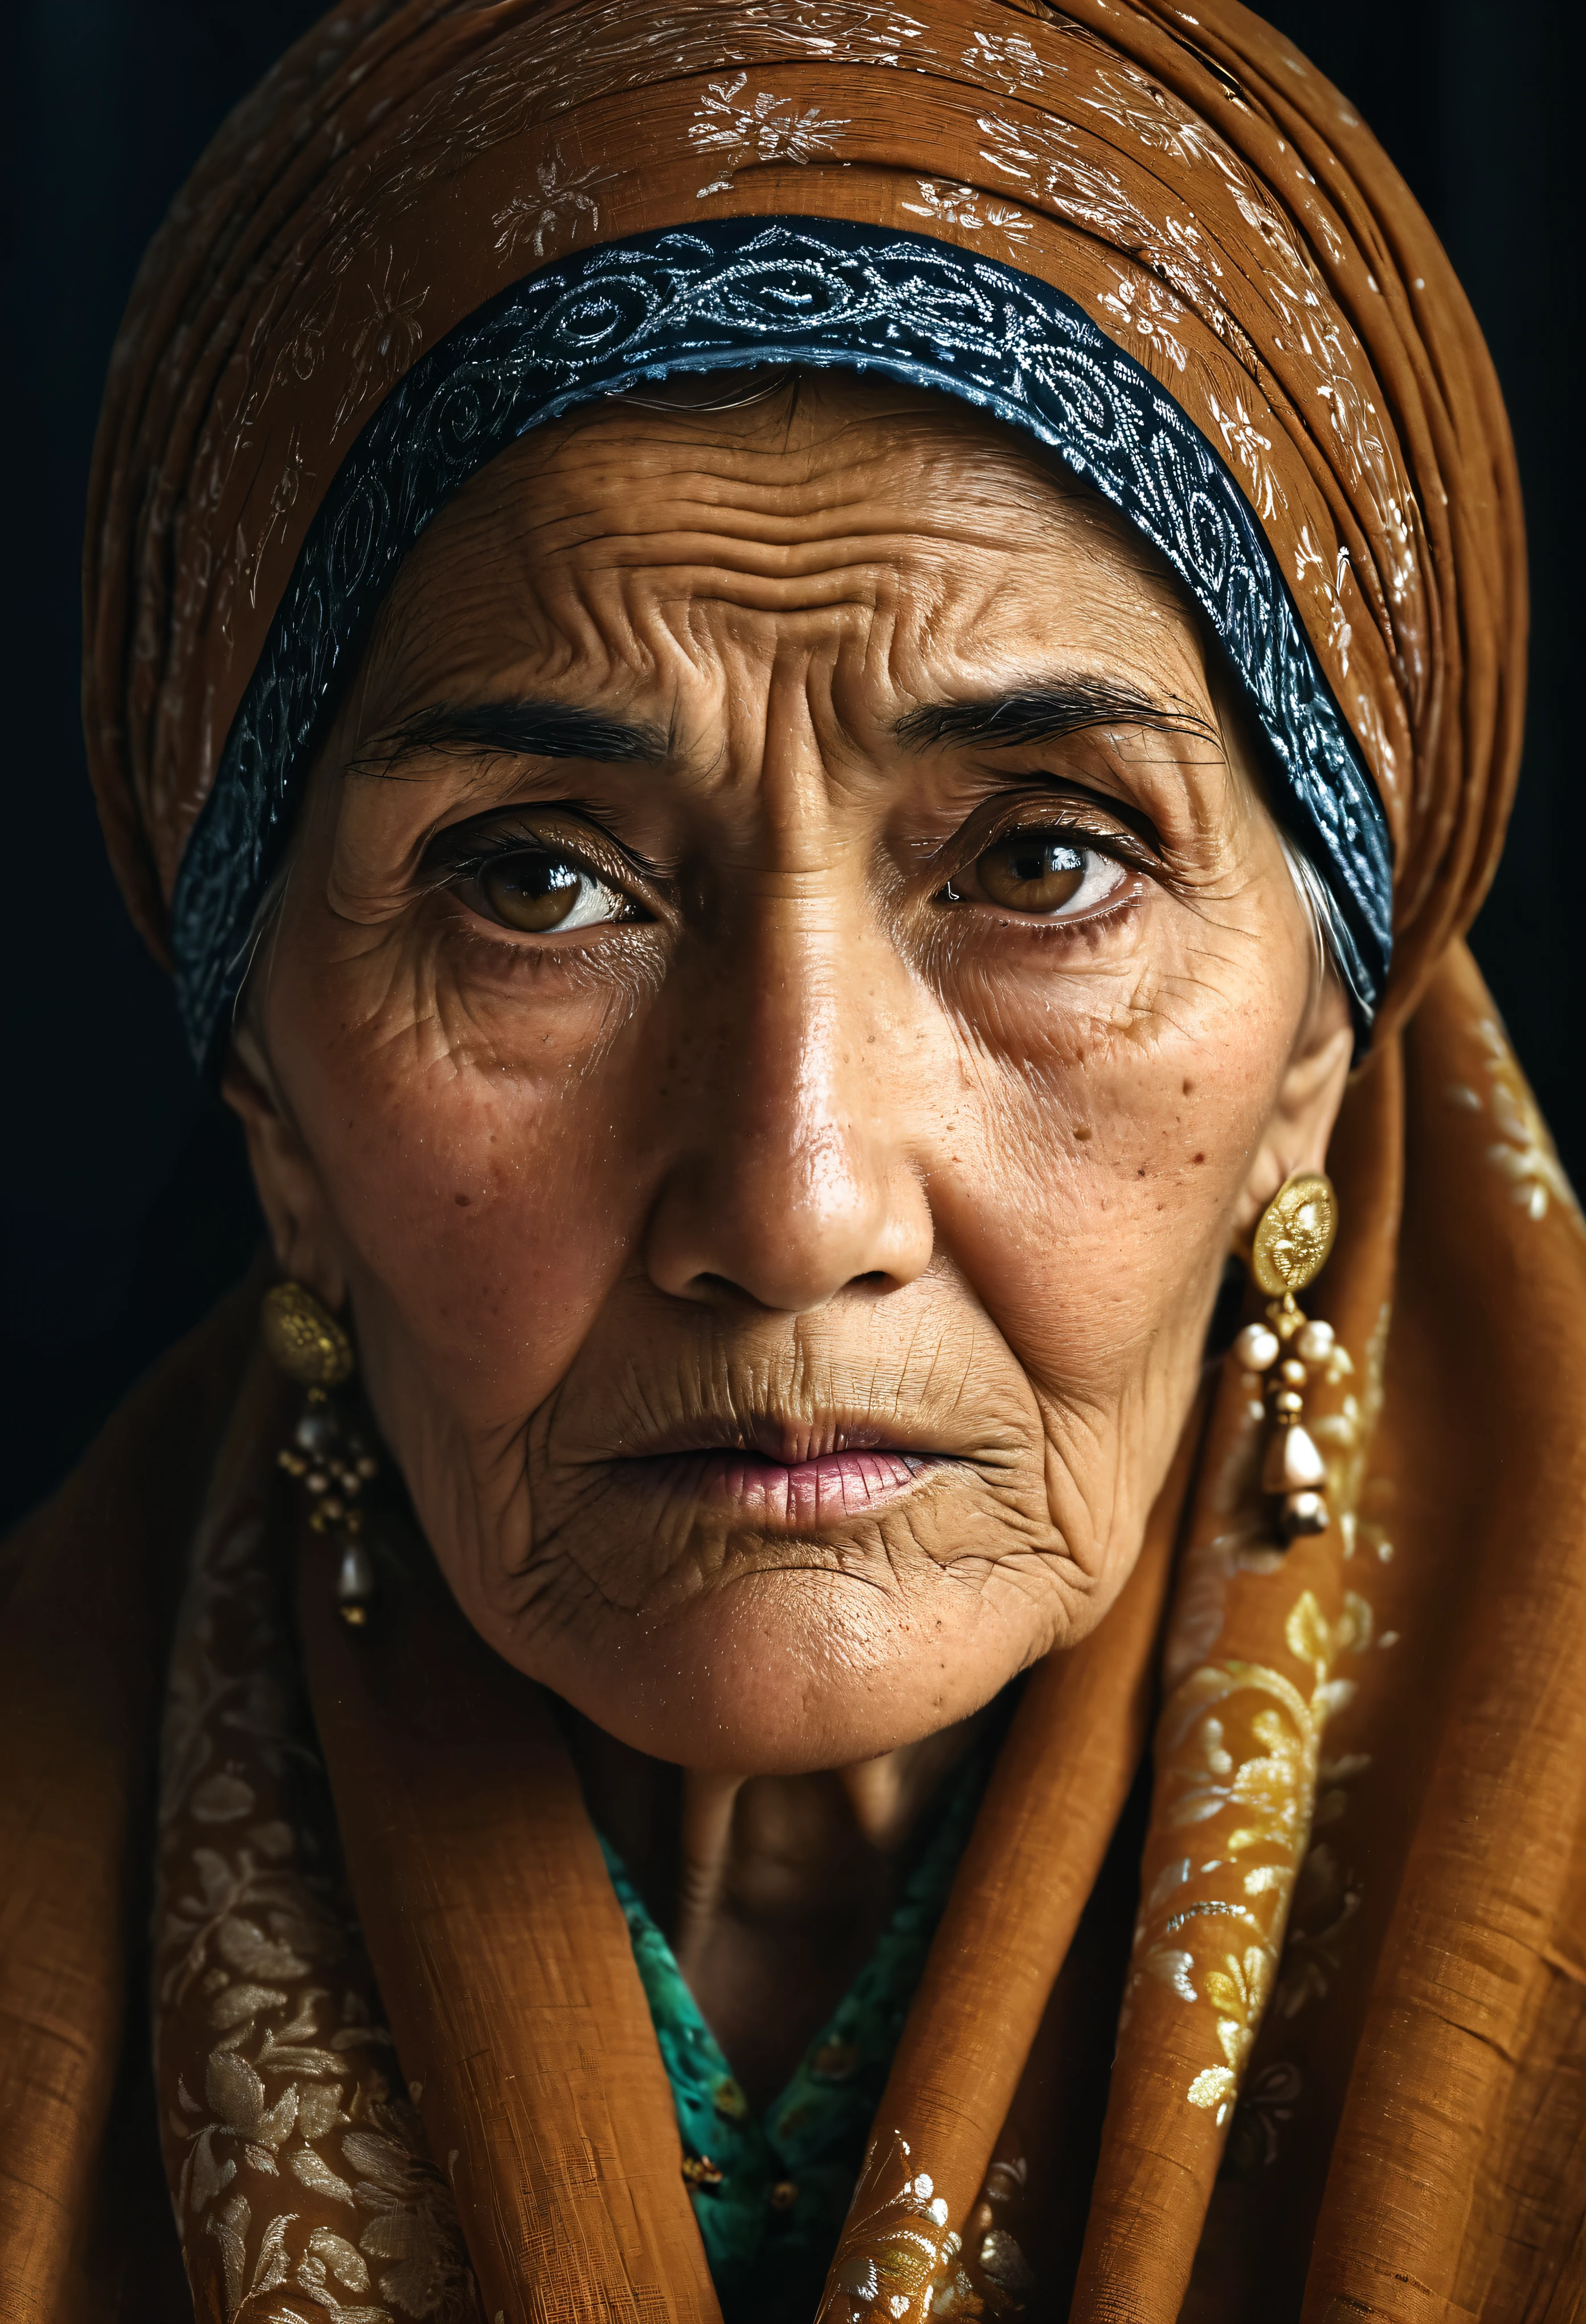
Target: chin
787,1671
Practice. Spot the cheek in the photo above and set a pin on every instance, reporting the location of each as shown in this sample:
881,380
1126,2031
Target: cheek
486,1213
1092,1207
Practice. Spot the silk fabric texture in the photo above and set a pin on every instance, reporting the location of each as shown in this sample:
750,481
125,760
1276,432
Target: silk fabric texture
1354,1984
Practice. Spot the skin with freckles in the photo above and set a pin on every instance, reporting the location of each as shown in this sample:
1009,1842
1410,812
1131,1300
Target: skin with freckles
785,993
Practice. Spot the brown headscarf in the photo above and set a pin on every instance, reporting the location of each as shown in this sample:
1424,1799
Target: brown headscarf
1350,2078
1192,184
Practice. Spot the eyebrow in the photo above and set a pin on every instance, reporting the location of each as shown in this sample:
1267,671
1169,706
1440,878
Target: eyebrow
524,730
1045,713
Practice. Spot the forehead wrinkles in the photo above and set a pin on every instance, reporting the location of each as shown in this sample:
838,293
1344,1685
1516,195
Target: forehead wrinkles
625,549
507,579
861,506
616,611
825,449
628,484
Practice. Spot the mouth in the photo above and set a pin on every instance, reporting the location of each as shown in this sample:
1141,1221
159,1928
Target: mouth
792,1478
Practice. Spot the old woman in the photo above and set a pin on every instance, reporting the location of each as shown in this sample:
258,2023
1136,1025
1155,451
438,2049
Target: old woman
879,1613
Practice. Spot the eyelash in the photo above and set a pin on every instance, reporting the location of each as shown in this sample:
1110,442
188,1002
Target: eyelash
1069,828
452,868
448,858
457,869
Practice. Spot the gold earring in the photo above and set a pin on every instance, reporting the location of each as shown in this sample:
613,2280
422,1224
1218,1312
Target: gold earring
1293,1238
329,1458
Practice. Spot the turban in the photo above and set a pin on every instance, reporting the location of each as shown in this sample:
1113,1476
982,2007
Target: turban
1161,245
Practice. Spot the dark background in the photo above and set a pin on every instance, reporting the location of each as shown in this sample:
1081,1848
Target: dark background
126,1207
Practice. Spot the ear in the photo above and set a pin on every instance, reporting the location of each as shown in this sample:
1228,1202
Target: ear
1309,1095
308,1245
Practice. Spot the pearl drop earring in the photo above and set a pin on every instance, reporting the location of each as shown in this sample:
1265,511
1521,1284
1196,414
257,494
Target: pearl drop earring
1293,1238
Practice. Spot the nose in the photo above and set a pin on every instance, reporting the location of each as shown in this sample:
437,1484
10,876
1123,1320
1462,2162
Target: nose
797,1178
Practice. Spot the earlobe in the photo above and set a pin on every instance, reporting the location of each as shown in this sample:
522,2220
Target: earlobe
1300,1126
284,1175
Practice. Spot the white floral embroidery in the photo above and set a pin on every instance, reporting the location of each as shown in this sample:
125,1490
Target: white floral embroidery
860,32
1145,112
1365,715
283,500
1357,426
1338,631
1145,309
1244,444
967,208
1308,559
896,2243
768,128
1049,160
529,220
1525,1154
380,344
1005,58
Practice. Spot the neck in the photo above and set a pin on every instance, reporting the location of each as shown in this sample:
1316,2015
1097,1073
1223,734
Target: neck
771,1889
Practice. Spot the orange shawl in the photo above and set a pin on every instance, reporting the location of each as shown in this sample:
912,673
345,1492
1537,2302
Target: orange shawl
404,2062
1363,1852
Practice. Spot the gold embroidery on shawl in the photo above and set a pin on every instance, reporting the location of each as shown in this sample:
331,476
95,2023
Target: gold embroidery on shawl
1236,1768
300,2174
897,2243
1328,1893
1346,1436
1238,1762
899,2258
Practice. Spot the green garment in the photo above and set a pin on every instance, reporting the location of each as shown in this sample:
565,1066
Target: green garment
771,2224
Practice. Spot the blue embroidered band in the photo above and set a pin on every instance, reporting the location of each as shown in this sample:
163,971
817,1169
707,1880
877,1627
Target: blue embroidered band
720,296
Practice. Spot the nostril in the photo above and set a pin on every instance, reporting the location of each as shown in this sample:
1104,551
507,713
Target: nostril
718,1287
714,1290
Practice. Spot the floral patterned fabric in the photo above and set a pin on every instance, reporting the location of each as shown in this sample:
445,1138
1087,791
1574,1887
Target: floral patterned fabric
302,2181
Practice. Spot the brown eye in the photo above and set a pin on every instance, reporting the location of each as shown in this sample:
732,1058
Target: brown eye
1033,871
537,889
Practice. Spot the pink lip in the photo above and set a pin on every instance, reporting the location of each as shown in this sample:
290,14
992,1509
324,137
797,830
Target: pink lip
796,1494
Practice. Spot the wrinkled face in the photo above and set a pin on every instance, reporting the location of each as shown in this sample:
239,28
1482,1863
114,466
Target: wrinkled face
786,994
